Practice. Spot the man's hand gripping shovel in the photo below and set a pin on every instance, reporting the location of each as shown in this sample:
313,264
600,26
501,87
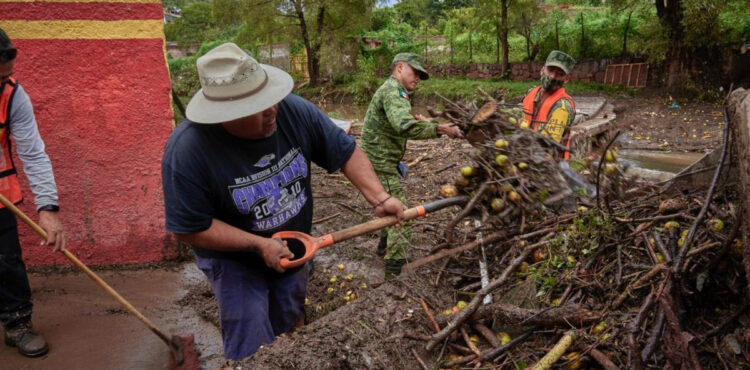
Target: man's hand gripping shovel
313,244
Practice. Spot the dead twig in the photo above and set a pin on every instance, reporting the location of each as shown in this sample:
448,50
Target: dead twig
556,352
429,315
603,360
477,300
419,359
324,219
677,267
450,252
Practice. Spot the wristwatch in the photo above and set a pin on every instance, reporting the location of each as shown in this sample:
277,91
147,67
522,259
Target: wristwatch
49,207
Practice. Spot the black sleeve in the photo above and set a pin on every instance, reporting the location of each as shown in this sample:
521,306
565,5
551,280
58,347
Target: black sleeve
329,146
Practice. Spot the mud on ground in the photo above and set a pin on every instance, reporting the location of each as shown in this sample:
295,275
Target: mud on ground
656,122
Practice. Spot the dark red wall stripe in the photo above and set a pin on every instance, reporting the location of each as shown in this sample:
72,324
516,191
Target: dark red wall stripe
80,11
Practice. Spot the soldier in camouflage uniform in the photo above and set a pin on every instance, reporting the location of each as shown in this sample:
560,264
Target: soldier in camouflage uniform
547,108
389,123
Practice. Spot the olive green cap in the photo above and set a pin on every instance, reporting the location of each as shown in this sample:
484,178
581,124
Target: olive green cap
416,61
559,59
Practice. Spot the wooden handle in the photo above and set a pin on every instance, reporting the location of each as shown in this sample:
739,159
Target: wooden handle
38,229
383,222
374,225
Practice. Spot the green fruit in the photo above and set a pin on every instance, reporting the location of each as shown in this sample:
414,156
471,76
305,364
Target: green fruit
468,171
716,224
513,120
501,143
671,226
599,327
524,268
497,204
610,156
610,168
461,305
504,338
501,159
737,248
522,166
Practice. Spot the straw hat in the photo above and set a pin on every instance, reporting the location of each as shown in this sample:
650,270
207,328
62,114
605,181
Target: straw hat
234,85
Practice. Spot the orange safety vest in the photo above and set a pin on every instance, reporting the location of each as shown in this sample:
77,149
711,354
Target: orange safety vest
542,115
9,186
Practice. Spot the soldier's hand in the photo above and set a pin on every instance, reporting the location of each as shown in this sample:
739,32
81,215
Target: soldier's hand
420,117
272,251
449,130
56,237
391,206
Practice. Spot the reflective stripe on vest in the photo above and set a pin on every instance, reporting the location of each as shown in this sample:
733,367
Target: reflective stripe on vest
9,186
544,110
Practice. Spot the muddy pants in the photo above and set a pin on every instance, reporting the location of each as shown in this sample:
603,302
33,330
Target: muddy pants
15,294
255,306
399,238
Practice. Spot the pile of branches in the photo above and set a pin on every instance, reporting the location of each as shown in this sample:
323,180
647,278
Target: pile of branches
630,277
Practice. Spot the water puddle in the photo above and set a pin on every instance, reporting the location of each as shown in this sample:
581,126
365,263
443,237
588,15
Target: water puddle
656,165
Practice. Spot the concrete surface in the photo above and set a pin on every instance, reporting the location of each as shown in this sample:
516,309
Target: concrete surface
88,329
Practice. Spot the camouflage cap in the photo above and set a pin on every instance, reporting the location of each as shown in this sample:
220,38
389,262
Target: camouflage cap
415,61
557,58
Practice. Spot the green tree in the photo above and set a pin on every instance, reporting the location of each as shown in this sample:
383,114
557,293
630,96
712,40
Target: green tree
314,22
195,26
496,11
530,18
688,28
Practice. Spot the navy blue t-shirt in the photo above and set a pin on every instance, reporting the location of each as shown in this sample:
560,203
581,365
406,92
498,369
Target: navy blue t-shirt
261,186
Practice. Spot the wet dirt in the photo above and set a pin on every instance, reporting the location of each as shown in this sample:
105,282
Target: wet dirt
88,329
654,122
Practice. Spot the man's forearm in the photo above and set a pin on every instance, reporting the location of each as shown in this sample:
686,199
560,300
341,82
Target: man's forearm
223,237
360,172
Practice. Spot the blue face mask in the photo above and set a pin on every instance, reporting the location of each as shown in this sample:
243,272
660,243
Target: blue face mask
550,84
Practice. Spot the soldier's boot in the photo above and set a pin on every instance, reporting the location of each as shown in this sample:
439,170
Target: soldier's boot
28,342
393,268
382,245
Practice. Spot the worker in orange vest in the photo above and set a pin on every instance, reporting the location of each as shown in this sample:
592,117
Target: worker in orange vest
17,121
547,108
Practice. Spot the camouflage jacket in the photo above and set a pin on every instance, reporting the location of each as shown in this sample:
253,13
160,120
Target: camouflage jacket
389,124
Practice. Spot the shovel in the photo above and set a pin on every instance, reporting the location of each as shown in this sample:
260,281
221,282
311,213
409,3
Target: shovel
183,351
313,244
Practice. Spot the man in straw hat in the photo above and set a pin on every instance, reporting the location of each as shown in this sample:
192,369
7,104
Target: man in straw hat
237,171
388,124
17,120
547,108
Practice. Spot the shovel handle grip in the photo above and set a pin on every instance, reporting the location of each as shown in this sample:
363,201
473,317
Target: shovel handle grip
409,214
311,244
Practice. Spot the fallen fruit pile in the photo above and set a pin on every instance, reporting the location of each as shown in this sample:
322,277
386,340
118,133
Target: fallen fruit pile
635,277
